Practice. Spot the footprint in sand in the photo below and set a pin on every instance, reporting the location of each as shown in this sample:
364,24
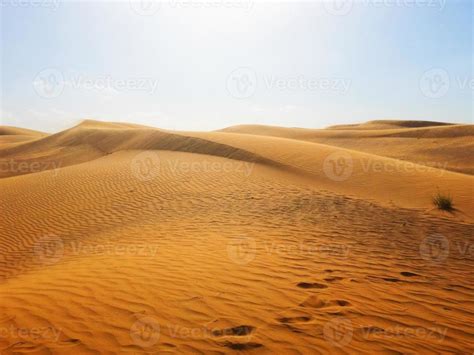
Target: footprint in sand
342,303
241,346
318,302
391,279
333,278
307,285
240,330
293,320
408,274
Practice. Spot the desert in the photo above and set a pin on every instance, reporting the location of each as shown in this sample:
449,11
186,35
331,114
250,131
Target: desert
122,238
236,177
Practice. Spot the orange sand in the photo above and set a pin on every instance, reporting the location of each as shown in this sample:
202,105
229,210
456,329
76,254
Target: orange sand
119,238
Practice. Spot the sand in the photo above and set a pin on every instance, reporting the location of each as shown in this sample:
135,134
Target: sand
119,238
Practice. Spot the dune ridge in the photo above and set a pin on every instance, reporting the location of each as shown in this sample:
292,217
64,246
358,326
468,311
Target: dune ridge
384,124
9,130
448,145
92,139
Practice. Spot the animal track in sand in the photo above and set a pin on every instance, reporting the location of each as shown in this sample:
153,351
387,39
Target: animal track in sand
311,285
391,279
318,302
242,346
342,303
408,274
293,320
240,330
333,278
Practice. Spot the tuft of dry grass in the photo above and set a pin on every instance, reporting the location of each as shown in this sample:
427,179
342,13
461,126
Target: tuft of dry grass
443,202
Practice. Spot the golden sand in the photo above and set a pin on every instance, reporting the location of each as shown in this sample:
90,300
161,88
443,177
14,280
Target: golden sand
119,238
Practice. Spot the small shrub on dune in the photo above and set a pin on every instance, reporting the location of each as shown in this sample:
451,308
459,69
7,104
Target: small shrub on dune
443,202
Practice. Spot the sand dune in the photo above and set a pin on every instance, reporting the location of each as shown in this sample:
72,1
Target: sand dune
14,131
10,136
386,124
446,146
130,239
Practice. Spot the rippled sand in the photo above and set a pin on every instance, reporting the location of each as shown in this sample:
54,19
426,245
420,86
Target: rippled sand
118,238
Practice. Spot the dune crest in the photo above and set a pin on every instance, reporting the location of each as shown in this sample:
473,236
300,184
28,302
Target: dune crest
391,124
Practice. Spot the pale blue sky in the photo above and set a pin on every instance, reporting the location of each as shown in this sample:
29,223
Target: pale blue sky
211,65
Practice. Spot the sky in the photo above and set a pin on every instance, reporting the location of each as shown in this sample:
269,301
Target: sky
205,65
